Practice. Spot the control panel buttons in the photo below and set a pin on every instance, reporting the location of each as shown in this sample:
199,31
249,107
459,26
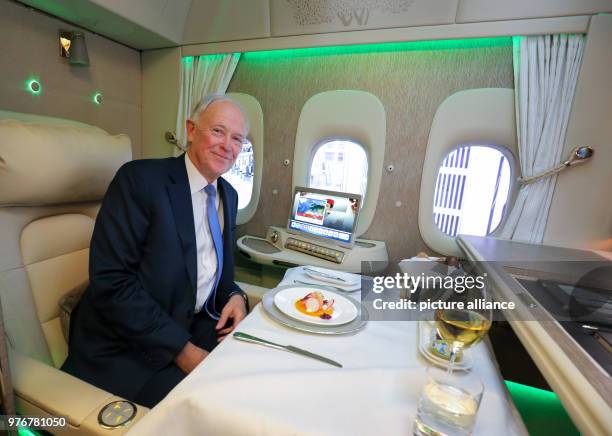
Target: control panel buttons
315,250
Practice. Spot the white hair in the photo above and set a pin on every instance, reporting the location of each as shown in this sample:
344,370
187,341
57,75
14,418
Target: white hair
209,99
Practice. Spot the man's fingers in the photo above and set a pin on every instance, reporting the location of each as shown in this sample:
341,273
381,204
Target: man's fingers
236,317
222,334
225,331
223,318
231,310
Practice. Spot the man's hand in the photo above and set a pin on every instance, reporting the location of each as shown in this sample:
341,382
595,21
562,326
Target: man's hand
189,357
235,309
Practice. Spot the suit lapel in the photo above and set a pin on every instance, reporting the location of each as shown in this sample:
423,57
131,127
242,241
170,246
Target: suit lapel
182,209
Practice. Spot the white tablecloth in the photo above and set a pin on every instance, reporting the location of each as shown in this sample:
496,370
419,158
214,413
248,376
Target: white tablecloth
246,389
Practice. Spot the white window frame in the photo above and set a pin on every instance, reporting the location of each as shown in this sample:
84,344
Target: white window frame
253,111
473,117
357,115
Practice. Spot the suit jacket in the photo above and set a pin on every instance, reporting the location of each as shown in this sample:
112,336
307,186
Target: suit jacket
135,316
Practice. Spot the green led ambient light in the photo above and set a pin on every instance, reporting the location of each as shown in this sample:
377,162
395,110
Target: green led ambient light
97,98
22,431
447,44
33,86
188,61
541,410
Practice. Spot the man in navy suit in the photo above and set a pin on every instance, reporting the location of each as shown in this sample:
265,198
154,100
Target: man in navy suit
162,290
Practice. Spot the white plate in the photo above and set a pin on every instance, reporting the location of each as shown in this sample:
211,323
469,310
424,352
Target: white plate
425,327
349,281
270,309
344,310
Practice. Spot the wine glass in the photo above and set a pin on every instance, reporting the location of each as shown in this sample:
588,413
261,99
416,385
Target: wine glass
463,328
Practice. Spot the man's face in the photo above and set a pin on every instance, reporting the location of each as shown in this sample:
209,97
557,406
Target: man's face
216,139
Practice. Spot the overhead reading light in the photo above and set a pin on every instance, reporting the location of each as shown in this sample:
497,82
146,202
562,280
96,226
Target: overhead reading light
72,46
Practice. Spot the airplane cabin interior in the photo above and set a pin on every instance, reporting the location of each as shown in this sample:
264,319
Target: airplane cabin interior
413,227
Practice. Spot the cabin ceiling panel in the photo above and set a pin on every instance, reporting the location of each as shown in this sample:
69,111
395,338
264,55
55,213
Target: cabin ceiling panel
166,17
297,17
411,84
536,26
227,20
98,16
495,10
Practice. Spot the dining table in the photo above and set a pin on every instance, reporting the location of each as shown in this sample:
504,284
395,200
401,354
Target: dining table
248,389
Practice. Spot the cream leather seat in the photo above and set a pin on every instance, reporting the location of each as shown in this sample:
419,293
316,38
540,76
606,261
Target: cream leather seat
53,174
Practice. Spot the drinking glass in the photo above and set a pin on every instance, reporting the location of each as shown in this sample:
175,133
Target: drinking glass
448,404
462,328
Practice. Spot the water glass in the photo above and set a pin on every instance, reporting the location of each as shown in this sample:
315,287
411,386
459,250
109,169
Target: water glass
448,404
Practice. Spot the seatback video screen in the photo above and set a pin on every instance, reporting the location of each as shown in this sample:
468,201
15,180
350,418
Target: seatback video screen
325,214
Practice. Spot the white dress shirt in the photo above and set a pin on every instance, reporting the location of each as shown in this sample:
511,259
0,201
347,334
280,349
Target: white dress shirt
206,254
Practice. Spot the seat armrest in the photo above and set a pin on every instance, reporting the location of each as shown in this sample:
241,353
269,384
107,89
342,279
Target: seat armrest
57,393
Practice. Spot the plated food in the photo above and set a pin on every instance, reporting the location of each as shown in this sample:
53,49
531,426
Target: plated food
316,304
349,315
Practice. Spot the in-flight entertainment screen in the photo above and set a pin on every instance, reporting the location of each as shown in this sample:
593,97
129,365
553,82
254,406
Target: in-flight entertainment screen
325,214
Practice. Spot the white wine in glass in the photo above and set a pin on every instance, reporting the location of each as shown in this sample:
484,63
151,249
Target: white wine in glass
461,329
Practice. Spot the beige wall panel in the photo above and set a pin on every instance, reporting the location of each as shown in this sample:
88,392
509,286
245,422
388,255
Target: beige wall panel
296,17
161,81
410,84
493,10
32,49
227,20
581,209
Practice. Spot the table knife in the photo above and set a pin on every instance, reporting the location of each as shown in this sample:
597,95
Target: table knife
255,340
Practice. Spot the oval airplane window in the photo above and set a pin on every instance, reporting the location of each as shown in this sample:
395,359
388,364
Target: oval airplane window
241,174
472,190
339,165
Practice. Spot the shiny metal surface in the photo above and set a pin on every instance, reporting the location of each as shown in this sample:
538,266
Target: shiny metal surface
241,336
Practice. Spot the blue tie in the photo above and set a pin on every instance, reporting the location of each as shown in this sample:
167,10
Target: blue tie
215,231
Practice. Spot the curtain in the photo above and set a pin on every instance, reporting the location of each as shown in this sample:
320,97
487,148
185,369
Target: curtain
201,75
545,72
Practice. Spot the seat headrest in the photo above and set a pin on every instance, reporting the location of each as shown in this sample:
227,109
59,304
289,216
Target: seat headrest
53,162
